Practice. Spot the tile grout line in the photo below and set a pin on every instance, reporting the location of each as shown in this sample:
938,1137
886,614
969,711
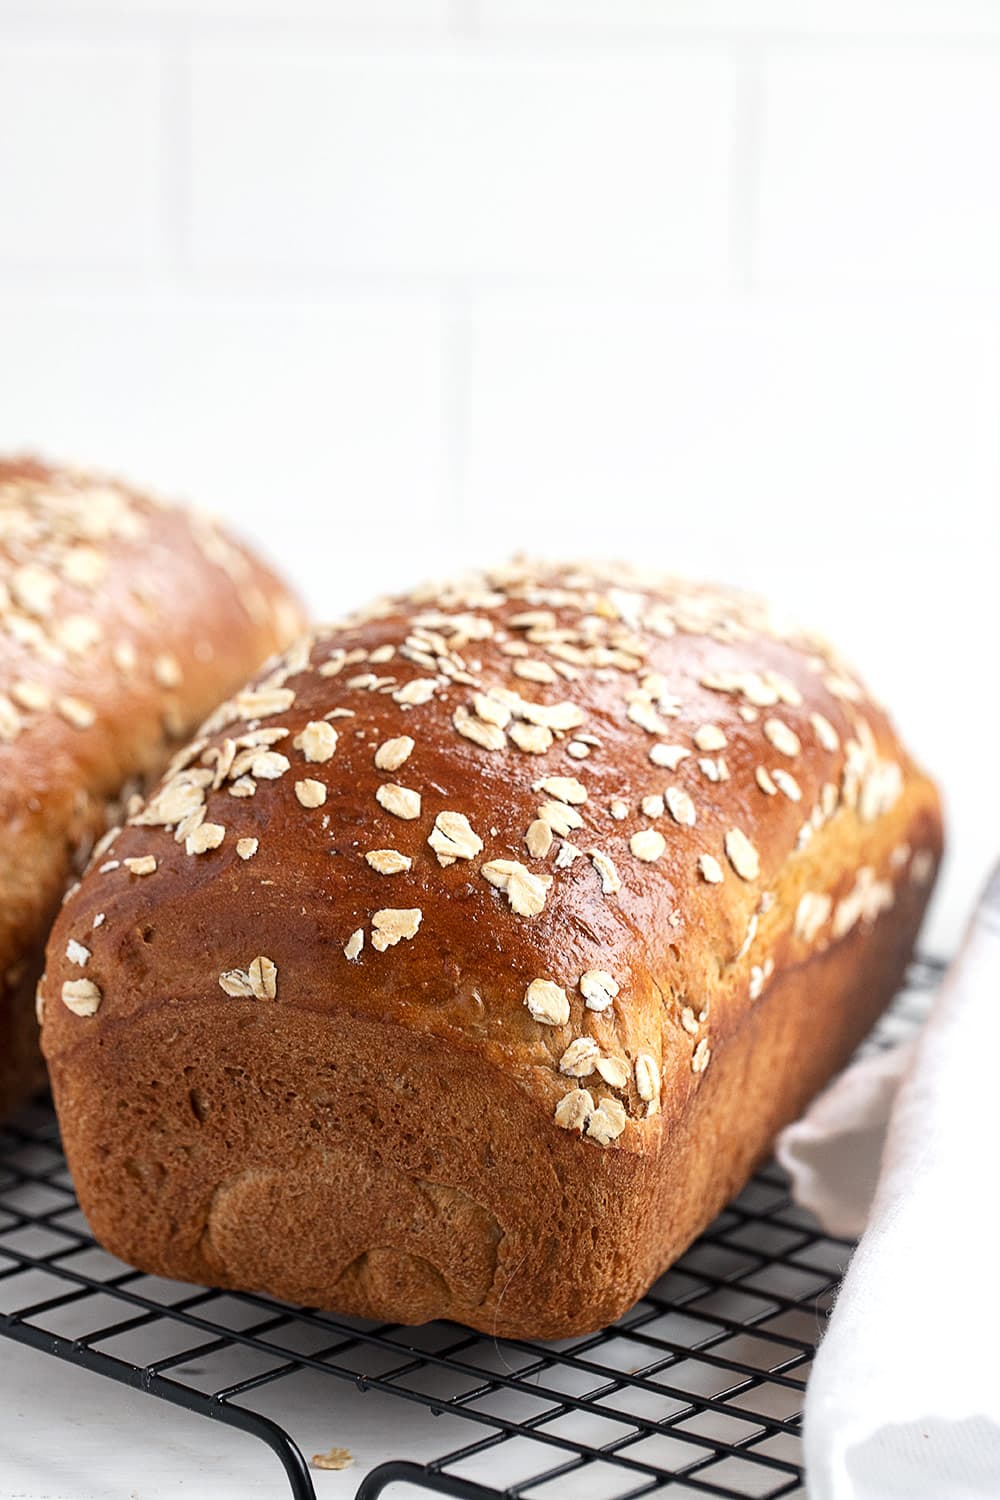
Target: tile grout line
455,351
463,22
746,167
175,147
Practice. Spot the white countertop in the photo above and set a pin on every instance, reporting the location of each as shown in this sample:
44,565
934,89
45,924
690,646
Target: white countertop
68,1434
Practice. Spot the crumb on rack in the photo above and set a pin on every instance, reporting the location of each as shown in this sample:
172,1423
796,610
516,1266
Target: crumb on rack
333,1458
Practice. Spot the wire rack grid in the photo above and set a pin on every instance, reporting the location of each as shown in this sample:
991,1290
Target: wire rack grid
696,1391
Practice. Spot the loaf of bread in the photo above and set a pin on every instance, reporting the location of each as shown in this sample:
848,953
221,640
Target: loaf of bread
468,961
122,622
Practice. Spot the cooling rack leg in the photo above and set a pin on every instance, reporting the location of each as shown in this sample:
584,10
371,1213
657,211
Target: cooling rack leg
83,1357
400,1472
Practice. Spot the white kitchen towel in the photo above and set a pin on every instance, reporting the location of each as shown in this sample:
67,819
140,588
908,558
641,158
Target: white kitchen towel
904,1398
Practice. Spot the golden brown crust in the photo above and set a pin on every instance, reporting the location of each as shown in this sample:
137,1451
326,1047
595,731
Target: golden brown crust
123,621
637,822
22,1071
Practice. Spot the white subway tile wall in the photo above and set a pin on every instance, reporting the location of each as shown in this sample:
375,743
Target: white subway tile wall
400,284
880,169
317,425
81,153
455,164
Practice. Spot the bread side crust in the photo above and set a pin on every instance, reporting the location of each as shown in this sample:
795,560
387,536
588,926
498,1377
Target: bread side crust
22,1071
340,1162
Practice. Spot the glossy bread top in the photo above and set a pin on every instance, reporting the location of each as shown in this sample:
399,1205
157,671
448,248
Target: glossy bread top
569,817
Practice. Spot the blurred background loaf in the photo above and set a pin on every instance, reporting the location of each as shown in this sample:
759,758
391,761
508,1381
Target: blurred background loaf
400,284
123,621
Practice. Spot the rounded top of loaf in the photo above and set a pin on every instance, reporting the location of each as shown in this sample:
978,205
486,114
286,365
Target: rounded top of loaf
107,593
123,621
551,814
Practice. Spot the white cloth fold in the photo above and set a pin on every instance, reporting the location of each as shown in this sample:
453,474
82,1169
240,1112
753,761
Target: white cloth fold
904,1397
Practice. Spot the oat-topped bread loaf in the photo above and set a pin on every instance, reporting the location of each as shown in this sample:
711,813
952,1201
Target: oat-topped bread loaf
122,622
469,959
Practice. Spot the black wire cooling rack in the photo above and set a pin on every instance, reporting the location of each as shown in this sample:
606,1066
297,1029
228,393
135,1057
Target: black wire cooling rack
696,1391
